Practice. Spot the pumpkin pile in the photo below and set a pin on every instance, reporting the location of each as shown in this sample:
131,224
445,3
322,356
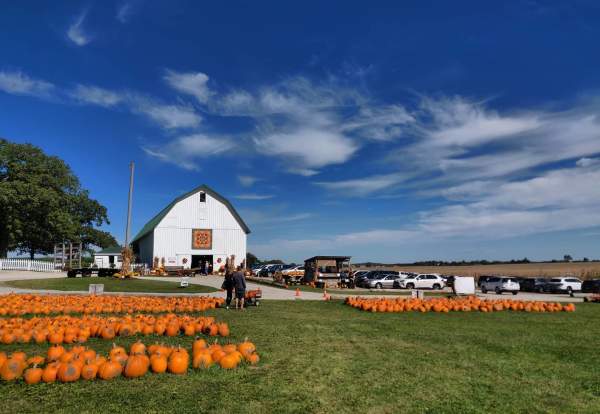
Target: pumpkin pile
69,365
454,304
69,329
23,304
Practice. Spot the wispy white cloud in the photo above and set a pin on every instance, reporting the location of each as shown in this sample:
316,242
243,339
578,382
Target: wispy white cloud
364,186
462,123
165,115
254,196
307,149
124,11
380,123
247,180
558,200
96,96
293,116
190,83
18,83
188,151
76,32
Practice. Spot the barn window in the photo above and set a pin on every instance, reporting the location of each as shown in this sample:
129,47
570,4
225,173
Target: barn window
203,197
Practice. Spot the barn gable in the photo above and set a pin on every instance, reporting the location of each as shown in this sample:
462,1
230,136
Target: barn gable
156,220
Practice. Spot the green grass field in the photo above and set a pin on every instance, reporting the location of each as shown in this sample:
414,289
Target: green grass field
111,284
328,357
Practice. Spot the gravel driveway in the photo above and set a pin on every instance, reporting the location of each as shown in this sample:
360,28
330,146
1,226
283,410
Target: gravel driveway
268,292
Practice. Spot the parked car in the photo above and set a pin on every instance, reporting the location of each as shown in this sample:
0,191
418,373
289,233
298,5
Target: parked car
380,281
563,284
363,280
501,285
269,270
533,284
422,281
482,279
402,276
358,273
293,270
591,286
360,279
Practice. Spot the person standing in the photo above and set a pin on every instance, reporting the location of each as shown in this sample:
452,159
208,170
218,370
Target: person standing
228,285
239,282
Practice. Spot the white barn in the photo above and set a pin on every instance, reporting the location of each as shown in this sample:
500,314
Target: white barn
196,228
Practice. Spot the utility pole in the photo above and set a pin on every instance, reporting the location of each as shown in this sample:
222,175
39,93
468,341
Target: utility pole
128,228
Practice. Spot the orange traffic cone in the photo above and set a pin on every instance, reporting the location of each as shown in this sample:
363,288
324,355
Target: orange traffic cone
297,293
325,296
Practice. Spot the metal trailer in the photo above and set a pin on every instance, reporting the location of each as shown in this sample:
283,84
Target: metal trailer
89,271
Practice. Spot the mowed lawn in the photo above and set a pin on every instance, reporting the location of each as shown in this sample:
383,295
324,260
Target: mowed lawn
328,357
111,284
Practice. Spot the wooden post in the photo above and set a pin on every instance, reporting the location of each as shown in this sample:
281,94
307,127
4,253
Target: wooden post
129,200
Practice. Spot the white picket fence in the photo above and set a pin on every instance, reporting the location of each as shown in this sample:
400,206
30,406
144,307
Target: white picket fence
25,264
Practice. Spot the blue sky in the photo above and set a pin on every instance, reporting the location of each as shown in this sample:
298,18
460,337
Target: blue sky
389,131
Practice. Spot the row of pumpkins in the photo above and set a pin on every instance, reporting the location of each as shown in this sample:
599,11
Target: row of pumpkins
23,304
455,304
70,329
79,362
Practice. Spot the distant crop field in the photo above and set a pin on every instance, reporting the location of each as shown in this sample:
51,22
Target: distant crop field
585,270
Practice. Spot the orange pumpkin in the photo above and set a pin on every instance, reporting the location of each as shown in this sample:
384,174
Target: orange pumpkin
50,372
217,355
223,329
33,375
89,371
229,361
159,363
68,372
198,345
178,362
36,360
246,347
55,352
202,360
138,348
135,367
116,350
12,369
109,370
253,358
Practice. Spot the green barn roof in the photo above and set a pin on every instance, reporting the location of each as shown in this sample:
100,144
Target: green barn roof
110,251
148,227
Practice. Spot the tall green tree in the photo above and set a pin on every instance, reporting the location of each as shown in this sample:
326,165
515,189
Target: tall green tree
42,203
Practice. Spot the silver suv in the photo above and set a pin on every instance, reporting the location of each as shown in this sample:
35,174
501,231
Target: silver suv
500,285
382,281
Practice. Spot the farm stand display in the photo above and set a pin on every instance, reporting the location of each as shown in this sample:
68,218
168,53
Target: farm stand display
445,305
81,363
69,329
22,304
